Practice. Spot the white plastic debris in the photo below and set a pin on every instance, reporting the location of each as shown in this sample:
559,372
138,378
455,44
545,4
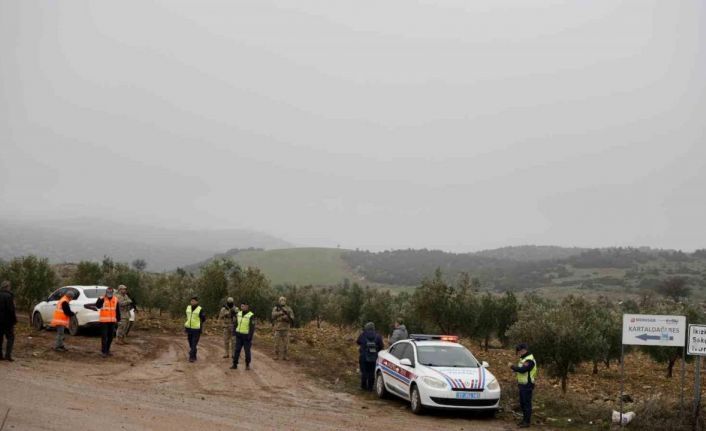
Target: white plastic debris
627,417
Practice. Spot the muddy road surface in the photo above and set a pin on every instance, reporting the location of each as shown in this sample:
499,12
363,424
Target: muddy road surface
150,385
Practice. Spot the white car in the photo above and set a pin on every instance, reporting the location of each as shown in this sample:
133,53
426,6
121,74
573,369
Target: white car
83,295
435,371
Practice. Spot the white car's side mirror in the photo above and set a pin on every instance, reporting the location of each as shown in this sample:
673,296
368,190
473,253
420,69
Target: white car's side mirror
484,364
406,362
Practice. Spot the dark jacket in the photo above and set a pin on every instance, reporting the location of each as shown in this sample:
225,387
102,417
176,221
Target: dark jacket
8,316
66,308
99,305
369,335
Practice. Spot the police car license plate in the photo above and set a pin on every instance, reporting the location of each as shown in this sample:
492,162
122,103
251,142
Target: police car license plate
467,395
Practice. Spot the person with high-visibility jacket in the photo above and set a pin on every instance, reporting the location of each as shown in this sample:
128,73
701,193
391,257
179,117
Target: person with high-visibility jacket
195,318
526,373
108,315
243,331
61,319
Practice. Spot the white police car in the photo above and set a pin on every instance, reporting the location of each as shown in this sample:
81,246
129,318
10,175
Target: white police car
435,371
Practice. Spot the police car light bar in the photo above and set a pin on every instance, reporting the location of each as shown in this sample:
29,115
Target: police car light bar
427,337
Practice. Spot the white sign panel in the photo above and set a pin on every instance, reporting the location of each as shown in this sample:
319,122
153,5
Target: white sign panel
697,340
654,330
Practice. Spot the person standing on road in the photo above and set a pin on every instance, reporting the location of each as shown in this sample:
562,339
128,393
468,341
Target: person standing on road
226,316
399,332
370,343
62,317
243,332
8,320
108,316
195,318
526,373
125,306
283,319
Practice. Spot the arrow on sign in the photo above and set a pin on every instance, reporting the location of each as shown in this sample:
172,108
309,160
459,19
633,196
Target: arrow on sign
645,337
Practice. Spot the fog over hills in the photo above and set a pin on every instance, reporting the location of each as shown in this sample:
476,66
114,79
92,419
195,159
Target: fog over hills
91,239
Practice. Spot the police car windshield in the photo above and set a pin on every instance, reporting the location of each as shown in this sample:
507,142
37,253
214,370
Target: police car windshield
94,293
446,356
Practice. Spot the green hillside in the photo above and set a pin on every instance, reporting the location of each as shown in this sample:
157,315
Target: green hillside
300,266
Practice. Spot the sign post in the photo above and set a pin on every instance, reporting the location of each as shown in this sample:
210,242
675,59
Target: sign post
652,330
697,347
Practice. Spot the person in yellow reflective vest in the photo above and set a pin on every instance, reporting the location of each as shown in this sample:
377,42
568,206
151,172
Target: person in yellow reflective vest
526,373
243,332
195,318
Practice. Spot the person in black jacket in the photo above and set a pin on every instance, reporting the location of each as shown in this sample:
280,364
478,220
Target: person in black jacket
8,320
370,344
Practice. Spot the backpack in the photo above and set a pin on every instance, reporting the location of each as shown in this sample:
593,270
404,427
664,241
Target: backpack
371,350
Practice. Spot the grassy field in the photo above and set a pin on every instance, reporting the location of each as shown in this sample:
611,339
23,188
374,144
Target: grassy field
300,266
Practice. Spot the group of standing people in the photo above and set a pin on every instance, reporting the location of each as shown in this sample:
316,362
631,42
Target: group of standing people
238,329
115,315
113,310
238,326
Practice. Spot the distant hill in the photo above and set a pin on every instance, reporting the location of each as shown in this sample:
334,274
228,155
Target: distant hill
529,253
300,266
90,239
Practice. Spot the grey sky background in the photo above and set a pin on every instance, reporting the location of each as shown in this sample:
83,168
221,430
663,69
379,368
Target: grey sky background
458,125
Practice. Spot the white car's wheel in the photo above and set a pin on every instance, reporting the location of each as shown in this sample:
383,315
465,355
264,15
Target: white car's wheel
415,400
380,389
37,321
73,325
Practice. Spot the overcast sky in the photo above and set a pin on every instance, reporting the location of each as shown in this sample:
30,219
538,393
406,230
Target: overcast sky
458,125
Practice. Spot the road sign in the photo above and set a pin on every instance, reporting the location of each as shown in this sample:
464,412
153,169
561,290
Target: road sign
697,340
654,330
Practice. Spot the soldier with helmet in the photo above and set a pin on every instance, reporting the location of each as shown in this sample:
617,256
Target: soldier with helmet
283,319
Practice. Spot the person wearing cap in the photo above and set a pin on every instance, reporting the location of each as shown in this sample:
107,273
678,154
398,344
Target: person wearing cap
226,316
243,331
370,344
108,317
8,320
526,373
283,319
62,318
127,308
195,318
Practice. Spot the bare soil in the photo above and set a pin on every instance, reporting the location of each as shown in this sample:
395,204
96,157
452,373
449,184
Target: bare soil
149,385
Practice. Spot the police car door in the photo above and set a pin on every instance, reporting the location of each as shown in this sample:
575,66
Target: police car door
407,364
391,366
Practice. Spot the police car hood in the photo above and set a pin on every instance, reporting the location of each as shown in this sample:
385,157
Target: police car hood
462,378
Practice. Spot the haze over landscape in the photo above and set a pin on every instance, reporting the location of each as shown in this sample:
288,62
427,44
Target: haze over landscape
373,126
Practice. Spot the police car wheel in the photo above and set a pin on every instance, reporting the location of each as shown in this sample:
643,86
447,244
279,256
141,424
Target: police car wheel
416,401
380,389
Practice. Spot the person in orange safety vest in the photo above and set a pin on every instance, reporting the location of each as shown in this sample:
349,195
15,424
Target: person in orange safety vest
109,316
62,318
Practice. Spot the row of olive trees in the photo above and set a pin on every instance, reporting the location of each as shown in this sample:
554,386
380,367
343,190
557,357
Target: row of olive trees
573,331
438,306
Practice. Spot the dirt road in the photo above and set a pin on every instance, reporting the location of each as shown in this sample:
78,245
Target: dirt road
149,385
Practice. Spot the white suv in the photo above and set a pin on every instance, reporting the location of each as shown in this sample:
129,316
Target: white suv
83,295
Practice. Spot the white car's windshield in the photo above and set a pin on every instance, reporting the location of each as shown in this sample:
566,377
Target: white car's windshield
446,356
94,293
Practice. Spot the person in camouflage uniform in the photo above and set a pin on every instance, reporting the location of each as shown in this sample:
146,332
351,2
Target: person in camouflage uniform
125,303
283,318
226,316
